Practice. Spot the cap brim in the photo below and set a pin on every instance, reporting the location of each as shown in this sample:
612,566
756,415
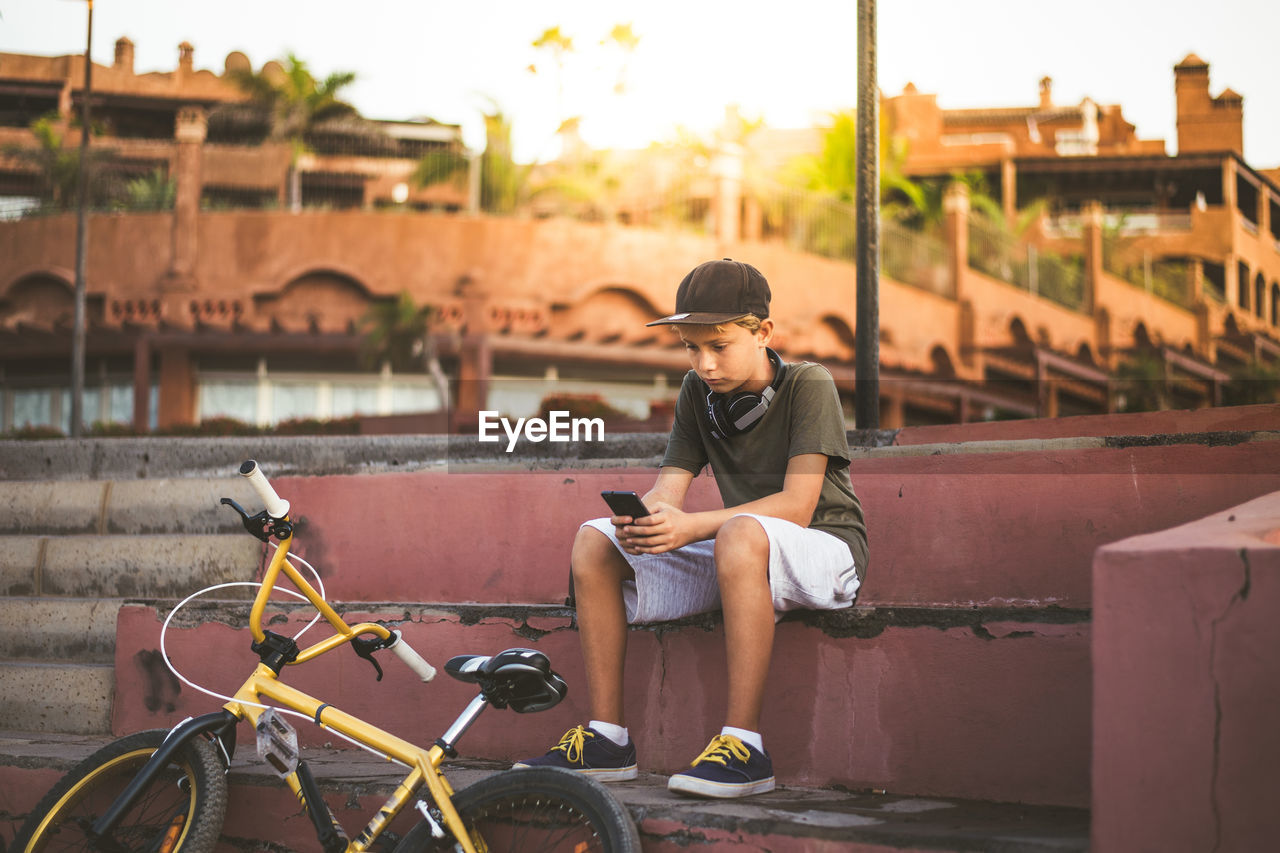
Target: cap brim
698,319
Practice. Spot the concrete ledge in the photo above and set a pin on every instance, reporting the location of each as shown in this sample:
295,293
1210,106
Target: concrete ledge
975,706
176,505
152,566
57,697
45,507
83,630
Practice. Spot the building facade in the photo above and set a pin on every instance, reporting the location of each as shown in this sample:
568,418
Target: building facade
226,304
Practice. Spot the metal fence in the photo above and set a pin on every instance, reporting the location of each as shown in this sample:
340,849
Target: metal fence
821,225
1058,278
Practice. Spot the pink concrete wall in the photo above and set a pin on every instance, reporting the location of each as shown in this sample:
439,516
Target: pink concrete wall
924,710
993,529
1186,747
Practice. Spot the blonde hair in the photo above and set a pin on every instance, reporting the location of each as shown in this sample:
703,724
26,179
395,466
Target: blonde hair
750,322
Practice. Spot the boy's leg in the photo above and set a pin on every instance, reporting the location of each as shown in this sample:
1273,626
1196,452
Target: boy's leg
599,570
742,568
729,766
598,573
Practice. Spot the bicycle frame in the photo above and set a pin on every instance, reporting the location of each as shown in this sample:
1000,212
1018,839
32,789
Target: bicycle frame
264,688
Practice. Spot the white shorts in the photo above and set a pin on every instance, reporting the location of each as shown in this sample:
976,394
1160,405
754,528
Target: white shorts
808,570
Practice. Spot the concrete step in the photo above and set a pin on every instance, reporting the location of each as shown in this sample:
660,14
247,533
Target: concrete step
82,630
787,820
73,698
124,565
123,506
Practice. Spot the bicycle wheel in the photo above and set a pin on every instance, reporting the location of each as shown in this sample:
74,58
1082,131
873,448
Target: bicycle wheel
182,810
537,809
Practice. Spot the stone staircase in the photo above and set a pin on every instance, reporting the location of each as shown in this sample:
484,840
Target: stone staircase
70,553
968,707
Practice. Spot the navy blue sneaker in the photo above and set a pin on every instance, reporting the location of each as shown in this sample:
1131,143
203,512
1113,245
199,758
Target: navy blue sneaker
727,768
584,750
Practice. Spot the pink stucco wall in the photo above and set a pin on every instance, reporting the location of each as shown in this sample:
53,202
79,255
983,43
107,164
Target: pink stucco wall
974,529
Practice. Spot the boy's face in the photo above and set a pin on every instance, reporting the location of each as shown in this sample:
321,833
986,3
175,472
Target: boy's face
730,359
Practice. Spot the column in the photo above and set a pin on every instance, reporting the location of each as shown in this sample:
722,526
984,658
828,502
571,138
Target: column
177,387
192,125
1009,189
955,206
141,384
727,170
1093,249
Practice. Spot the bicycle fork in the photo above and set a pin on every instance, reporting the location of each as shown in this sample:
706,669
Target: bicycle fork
220,724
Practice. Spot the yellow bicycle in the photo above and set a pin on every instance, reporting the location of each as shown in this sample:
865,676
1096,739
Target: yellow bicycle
165,791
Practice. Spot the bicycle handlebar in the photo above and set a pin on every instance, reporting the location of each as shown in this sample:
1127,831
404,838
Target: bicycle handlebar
412,659
276,506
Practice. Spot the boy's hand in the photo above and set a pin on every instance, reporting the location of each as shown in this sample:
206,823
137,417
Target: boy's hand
666,528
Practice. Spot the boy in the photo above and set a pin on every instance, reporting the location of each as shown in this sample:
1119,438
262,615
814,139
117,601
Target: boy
791,535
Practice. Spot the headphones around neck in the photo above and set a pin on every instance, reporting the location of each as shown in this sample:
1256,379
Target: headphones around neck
740,412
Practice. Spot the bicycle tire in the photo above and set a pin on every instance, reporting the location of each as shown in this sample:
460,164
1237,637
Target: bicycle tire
189,796
536,810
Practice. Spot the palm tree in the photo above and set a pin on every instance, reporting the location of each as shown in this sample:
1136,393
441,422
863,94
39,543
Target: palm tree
834,170
58,167
398,332
296,103
444,166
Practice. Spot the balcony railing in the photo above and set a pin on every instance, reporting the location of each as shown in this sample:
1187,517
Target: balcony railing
1126,223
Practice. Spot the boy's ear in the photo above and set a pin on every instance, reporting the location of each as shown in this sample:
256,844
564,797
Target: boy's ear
765,331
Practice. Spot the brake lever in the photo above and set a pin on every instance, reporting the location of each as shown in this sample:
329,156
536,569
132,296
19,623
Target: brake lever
261,525
366,646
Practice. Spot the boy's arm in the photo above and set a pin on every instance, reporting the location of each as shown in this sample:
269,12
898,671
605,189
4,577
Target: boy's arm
671,487
670,527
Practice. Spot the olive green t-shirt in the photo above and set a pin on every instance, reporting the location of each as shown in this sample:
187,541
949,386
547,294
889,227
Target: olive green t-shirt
804,417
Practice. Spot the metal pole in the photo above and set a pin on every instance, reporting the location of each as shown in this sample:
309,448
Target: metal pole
867,367
82,244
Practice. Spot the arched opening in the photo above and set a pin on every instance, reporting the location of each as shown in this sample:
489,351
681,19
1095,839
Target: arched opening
943,366
320,301
832,339
611,312
1018,332
1259,296
40,300
1275,303
1141,337
1085,353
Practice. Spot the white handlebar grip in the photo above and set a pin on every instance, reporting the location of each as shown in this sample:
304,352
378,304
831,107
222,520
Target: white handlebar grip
276,506
412,659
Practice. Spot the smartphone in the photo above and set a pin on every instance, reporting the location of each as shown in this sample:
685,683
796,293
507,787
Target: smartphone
625,503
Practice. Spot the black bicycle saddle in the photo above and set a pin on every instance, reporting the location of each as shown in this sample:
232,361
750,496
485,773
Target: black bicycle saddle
519,679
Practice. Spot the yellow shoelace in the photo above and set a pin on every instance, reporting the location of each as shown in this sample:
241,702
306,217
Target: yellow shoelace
721,747
572,742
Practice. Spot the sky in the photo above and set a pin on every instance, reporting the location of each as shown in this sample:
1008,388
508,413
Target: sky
790,63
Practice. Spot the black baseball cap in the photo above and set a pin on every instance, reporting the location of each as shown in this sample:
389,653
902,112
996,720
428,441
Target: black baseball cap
719,292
